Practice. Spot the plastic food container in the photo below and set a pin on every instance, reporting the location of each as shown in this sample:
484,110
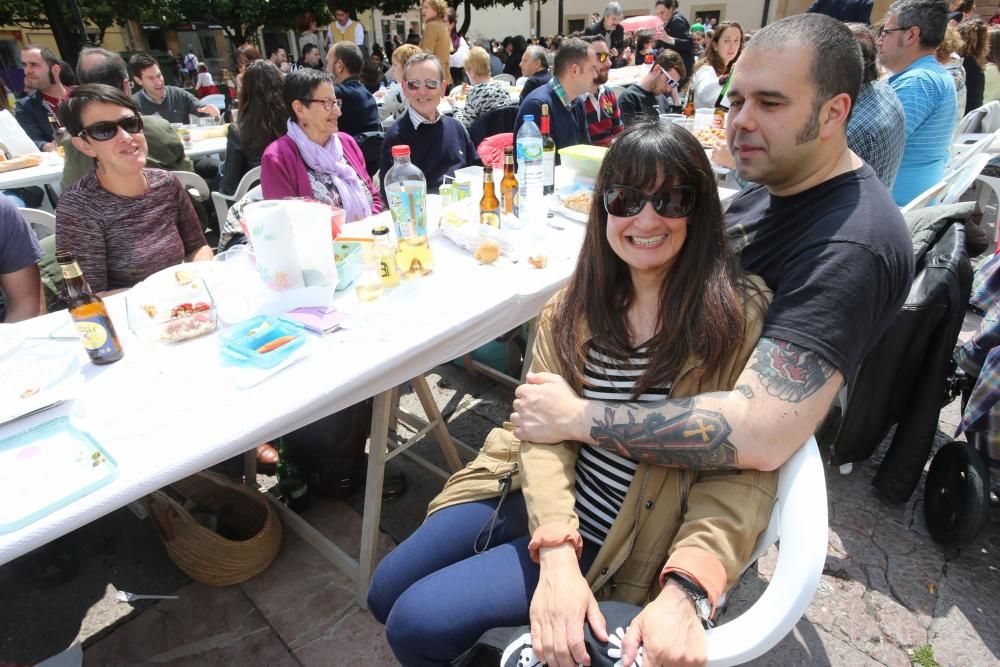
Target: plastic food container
584,159
262,341
350,261
169,314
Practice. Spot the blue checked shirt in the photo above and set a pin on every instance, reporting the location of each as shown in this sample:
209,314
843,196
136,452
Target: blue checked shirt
930,102
877,130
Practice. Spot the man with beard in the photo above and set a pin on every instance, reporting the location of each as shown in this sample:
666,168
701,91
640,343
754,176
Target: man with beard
604,118
36,113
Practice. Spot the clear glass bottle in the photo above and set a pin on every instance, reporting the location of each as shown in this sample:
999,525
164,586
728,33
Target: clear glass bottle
385,255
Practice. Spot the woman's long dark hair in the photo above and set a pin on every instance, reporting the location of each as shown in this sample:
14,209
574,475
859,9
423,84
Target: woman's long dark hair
262,112
702,296
712,56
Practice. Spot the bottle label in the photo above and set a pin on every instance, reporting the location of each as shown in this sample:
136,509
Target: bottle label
71,270
508,200
549,168
94,334
387,270
489,219
408,211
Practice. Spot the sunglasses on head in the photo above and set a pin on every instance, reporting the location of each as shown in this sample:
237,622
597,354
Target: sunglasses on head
104,130
622,201
417,84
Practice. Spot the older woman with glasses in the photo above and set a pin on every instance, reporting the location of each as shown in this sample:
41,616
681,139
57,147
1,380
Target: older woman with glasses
657,307
313,159
122,221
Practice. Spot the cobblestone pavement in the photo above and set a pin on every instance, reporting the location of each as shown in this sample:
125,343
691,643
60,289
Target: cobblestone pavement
888,595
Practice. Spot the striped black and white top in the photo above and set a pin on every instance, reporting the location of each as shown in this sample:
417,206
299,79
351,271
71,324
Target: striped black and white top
603,477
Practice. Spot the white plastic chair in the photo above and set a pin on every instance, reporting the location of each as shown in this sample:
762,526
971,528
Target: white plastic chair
506,78
223,202
799,521
193,183
42,223
962,179
217,100
958,161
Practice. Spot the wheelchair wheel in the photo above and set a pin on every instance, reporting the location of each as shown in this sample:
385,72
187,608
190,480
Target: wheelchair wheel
956,494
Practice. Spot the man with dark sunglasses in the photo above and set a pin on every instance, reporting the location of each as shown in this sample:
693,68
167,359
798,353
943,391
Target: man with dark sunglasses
439,144
656,92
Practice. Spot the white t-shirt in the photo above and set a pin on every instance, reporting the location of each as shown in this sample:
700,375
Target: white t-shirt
705,85
204,80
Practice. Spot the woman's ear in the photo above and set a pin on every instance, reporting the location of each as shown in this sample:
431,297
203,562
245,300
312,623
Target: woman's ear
82,145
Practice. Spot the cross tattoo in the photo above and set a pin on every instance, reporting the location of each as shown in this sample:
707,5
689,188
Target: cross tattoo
703,430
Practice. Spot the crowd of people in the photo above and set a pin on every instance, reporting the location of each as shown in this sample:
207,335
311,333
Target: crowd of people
831,127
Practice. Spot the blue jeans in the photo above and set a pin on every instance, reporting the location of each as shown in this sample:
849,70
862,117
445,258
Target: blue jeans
436,595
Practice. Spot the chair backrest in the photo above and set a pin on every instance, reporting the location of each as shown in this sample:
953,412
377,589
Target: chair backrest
370,144
42,223
958,161
925,198
506,78
962,179
799,520
494,121
193,183
520,81
217,100
982,119
223,202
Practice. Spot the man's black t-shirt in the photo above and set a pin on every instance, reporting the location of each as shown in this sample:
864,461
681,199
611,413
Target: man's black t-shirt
838,257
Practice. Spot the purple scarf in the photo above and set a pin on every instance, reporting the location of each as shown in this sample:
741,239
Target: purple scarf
329,159
456,39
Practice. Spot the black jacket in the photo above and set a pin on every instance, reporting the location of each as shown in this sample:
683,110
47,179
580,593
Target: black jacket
534,81
617,35
848,11
33,117
902,381
679,28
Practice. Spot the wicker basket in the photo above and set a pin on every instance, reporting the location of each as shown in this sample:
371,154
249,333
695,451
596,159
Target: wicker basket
202,553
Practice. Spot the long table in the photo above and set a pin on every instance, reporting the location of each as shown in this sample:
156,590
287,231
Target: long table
164,413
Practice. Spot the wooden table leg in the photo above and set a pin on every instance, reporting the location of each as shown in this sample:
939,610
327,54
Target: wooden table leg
440,429
373,493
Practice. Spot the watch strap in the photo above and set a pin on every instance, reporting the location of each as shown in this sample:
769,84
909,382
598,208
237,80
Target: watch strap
702,605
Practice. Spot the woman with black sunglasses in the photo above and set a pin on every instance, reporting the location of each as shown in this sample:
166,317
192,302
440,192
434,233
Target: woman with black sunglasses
657,307
122,221
313,159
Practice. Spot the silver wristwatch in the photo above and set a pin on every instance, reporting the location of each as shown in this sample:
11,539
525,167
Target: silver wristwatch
702,605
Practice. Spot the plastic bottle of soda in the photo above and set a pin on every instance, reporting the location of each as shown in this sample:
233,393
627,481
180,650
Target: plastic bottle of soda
406,191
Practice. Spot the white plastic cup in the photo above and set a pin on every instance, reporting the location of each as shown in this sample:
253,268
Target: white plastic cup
667,118
704,119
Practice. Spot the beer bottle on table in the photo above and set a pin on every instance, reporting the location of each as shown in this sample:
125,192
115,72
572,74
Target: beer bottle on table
88,313
292,481
489,205
508,187
406,192
548,154
689,106
722,104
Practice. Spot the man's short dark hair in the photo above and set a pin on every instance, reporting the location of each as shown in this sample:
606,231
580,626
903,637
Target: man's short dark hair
572,51
590,39
308,48
139,63
869,52
836,57
669,4
931,16
349,54
669,59
48,55
71,111
104,66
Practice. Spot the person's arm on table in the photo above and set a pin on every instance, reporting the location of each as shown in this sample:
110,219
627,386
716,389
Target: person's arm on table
202,254
779,399
23,290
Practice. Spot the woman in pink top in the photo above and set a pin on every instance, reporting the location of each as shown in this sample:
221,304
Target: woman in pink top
314,160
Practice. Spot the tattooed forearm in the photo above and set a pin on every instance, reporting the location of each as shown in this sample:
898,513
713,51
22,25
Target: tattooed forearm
790,372
680,436
745,390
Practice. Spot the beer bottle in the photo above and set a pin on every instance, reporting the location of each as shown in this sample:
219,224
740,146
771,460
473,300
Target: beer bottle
489,205
88,313
292,481
689,106
508,186
722,104
548,154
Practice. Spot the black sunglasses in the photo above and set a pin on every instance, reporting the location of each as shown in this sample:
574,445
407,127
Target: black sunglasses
415,84
103,130
622,201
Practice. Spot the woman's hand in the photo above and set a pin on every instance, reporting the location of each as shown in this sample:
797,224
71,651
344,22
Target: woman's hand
561,603
547,410
669,631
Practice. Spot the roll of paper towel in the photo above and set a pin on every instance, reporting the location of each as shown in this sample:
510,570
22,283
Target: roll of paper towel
273,243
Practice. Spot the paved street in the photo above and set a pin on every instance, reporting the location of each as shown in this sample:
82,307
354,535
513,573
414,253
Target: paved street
888,596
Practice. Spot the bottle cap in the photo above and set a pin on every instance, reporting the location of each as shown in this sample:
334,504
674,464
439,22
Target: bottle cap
400,150
381,230
529,117
65,257
487,170
508,150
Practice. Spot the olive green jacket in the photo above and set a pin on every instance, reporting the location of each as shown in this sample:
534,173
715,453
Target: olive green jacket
701,524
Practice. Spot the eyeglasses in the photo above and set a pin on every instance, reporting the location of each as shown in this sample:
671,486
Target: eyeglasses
602,57
882,32
674,202
417,84
104,130
328,104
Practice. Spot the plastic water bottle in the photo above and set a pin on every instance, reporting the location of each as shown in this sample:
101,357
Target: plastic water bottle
406,191
531,209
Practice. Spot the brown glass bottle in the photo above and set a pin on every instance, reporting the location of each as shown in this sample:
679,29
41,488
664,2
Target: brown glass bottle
548,154
508,185
88,313
489,205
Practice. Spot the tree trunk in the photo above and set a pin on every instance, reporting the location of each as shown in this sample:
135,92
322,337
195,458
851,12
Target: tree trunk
466,18
559,25
66,40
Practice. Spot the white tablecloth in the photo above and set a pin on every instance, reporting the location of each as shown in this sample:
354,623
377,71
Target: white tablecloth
166,412
49,171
